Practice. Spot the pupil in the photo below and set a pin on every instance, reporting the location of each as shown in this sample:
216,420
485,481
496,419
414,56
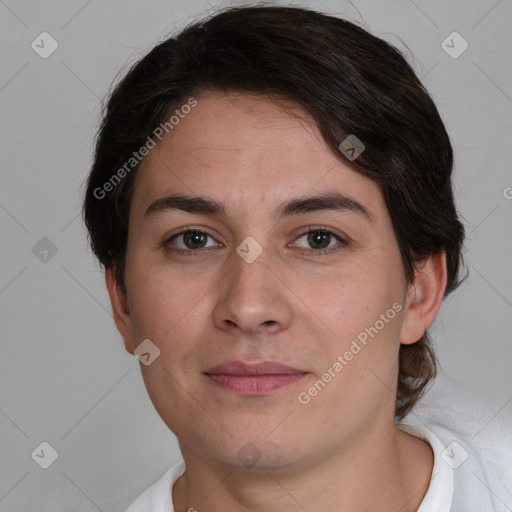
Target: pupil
319,237
194,237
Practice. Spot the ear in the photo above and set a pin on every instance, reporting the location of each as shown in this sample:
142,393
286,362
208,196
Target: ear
424,297
120,310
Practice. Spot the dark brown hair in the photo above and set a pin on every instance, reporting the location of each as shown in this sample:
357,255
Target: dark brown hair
348,80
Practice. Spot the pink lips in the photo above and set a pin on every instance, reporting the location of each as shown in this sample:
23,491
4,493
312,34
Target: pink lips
253,378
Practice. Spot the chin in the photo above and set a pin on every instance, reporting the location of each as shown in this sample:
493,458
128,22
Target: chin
256,454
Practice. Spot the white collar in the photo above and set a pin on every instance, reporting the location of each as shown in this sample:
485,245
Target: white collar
439,494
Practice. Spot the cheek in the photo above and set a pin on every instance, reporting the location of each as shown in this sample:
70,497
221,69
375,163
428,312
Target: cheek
166,303
364,316
348,301
363,312
365,324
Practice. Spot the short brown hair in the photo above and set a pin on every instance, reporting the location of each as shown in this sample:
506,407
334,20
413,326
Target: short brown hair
348,80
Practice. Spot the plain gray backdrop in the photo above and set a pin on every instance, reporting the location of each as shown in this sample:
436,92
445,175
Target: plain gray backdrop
65,376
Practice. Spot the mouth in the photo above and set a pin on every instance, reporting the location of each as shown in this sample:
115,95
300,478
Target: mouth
253,378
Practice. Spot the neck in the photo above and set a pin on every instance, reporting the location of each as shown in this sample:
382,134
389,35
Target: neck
386,471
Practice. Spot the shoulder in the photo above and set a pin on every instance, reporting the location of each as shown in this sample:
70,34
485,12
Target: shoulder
158,497
478,444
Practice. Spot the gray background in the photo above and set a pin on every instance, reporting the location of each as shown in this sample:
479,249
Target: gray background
65,376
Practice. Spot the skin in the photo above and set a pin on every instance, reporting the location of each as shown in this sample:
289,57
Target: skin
341,451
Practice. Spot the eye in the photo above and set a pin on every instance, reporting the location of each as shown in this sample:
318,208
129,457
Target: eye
190,240
320,239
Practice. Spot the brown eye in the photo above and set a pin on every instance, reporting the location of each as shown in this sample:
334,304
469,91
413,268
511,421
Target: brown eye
320,241
194,239
190,240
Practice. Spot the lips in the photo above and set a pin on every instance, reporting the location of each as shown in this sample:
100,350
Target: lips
253,378
261,368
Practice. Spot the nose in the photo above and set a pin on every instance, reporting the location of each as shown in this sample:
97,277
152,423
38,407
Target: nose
252,299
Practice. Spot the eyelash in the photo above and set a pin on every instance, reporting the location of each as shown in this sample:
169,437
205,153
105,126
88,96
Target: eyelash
314,229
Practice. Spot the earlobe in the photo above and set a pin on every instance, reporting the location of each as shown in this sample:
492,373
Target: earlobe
424,297
120,310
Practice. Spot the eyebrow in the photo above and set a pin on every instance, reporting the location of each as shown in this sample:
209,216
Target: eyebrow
195,204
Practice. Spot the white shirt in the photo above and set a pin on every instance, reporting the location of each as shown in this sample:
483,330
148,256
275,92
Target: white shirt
472,448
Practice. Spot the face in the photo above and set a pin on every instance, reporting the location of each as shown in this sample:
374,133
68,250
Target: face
270,274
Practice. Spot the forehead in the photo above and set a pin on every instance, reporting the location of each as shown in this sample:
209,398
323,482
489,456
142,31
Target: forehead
250,153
